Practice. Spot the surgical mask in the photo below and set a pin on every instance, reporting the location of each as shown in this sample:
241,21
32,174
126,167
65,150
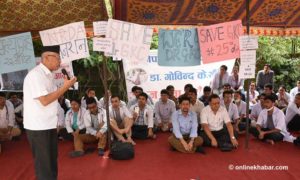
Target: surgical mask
270,108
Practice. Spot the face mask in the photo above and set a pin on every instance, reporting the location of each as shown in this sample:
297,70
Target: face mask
270,109
237,100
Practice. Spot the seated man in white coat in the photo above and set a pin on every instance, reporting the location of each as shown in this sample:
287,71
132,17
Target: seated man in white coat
164,109
270,126
293,114
95,121
120,120
143,119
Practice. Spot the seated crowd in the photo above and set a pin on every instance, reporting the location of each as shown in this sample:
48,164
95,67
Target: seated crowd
215,119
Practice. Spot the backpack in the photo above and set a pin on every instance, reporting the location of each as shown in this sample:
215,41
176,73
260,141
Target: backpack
121,151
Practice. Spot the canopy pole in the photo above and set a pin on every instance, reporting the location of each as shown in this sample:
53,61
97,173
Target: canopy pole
248,81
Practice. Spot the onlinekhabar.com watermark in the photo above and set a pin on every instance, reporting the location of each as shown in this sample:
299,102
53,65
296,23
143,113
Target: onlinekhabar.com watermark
256,167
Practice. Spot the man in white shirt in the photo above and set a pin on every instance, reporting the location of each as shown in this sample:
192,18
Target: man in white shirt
213,118
136,90
143,119
163,110
40,112
270,126
232,110
75,125
8,130
185,138
295,91
253,95
120,120
242,107
196,105
293,114
257,108
283,98
90,93
95,121
219,80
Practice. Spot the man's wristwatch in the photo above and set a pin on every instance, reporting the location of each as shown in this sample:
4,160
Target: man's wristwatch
233,138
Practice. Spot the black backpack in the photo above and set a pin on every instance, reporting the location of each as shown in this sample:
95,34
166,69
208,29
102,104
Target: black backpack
121,151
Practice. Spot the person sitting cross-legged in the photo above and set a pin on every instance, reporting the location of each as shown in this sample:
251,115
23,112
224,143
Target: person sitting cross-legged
270,126
95,121
215,134
293,114
143,119
8,130
164,109
185,125
120,120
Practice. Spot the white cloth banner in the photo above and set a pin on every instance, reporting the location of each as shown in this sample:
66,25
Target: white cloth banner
131,42
71,38
153,78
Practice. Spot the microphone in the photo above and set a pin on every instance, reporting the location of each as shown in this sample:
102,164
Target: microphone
64,71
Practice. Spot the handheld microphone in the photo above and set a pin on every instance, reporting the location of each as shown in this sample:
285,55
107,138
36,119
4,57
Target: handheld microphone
64,71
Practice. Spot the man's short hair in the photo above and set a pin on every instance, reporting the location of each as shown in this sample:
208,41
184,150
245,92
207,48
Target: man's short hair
270,86
207,89
91,89
213,96
262,95
226,85
270,97
133,89
227,92
78,101
2,94
283,87
144,95
115,96
90,100
170,87
267,65
298,94
224,67
184,98
188,86
164,91
193,90
13,94
238,92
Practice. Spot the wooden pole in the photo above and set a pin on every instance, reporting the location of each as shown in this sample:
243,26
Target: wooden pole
248,82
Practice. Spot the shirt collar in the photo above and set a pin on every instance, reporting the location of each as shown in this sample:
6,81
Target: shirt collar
45,69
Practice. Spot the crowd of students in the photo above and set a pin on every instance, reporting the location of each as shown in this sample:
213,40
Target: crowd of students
215,119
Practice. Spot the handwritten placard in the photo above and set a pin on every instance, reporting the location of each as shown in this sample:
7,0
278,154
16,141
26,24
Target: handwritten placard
178,47
130,41
99,28
248,57
71,38
102,44
16,53
247,71
220,41
248,42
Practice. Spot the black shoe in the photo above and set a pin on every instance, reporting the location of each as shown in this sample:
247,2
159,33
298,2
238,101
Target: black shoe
226,147
74,154
200,150
90,150
172,149
101,152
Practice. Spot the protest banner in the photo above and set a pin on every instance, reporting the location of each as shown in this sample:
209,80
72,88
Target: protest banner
153,78
220,42
178,47
130,42
16,53
99,28
71,38
102,44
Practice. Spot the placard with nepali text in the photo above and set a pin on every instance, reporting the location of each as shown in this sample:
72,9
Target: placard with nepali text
16,53
71,38
220,41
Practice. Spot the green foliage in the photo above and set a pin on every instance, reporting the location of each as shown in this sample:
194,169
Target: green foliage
278,52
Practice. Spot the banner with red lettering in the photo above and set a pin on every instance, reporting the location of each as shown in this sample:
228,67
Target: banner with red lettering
220,42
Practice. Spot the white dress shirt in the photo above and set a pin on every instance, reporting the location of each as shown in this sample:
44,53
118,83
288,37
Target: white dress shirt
70,119
291,111
256,109
101,118
215,121
60,116
7,116
233,111
148,115
124,112
37,83
293,93
242,108
197,108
